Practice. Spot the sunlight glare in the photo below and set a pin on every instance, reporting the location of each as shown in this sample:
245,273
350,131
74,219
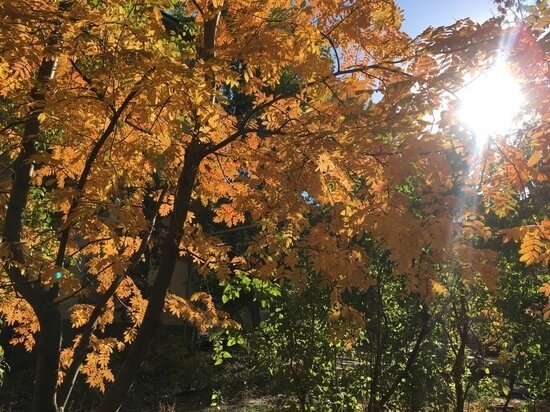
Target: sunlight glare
490,103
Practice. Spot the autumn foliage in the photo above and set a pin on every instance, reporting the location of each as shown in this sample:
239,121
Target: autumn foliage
319,121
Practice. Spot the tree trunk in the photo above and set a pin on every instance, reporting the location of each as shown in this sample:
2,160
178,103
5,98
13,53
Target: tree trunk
459,391
114,396
413,355
47,364
511,383
195,152
255,315
373,405
458,369
49,337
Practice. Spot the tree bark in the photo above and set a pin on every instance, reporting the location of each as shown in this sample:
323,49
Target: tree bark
511,383
373,405
458,372
413,355
49,337
458,367
47,365
114,396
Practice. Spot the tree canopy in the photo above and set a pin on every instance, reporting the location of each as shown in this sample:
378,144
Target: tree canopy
319,122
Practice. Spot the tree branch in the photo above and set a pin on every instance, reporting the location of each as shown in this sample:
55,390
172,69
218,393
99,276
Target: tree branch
241,128
81,349
422,334
88,166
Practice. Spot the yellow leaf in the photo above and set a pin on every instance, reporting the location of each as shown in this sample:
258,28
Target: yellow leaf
534,158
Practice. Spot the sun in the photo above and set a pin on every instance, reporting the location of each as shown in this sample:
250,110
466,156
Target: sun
490,103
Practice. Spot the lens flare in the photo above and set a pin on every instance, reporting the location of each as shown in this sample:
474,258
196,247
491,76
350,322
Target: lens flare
490,103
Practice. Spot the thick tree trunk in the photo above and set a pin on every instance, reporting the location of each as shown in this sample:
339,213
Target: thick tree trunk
49,338
47,365
114,396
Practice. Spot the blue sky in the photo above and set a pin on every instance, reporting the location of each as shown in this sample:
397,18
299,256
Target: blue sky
420,14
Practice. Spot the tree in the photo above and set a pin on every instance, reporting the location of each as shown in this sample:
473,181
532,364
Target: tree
114,128
524,354
307,350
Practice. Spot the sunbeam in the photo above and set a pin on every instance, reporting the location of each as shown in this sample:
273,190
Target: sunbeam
489,104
